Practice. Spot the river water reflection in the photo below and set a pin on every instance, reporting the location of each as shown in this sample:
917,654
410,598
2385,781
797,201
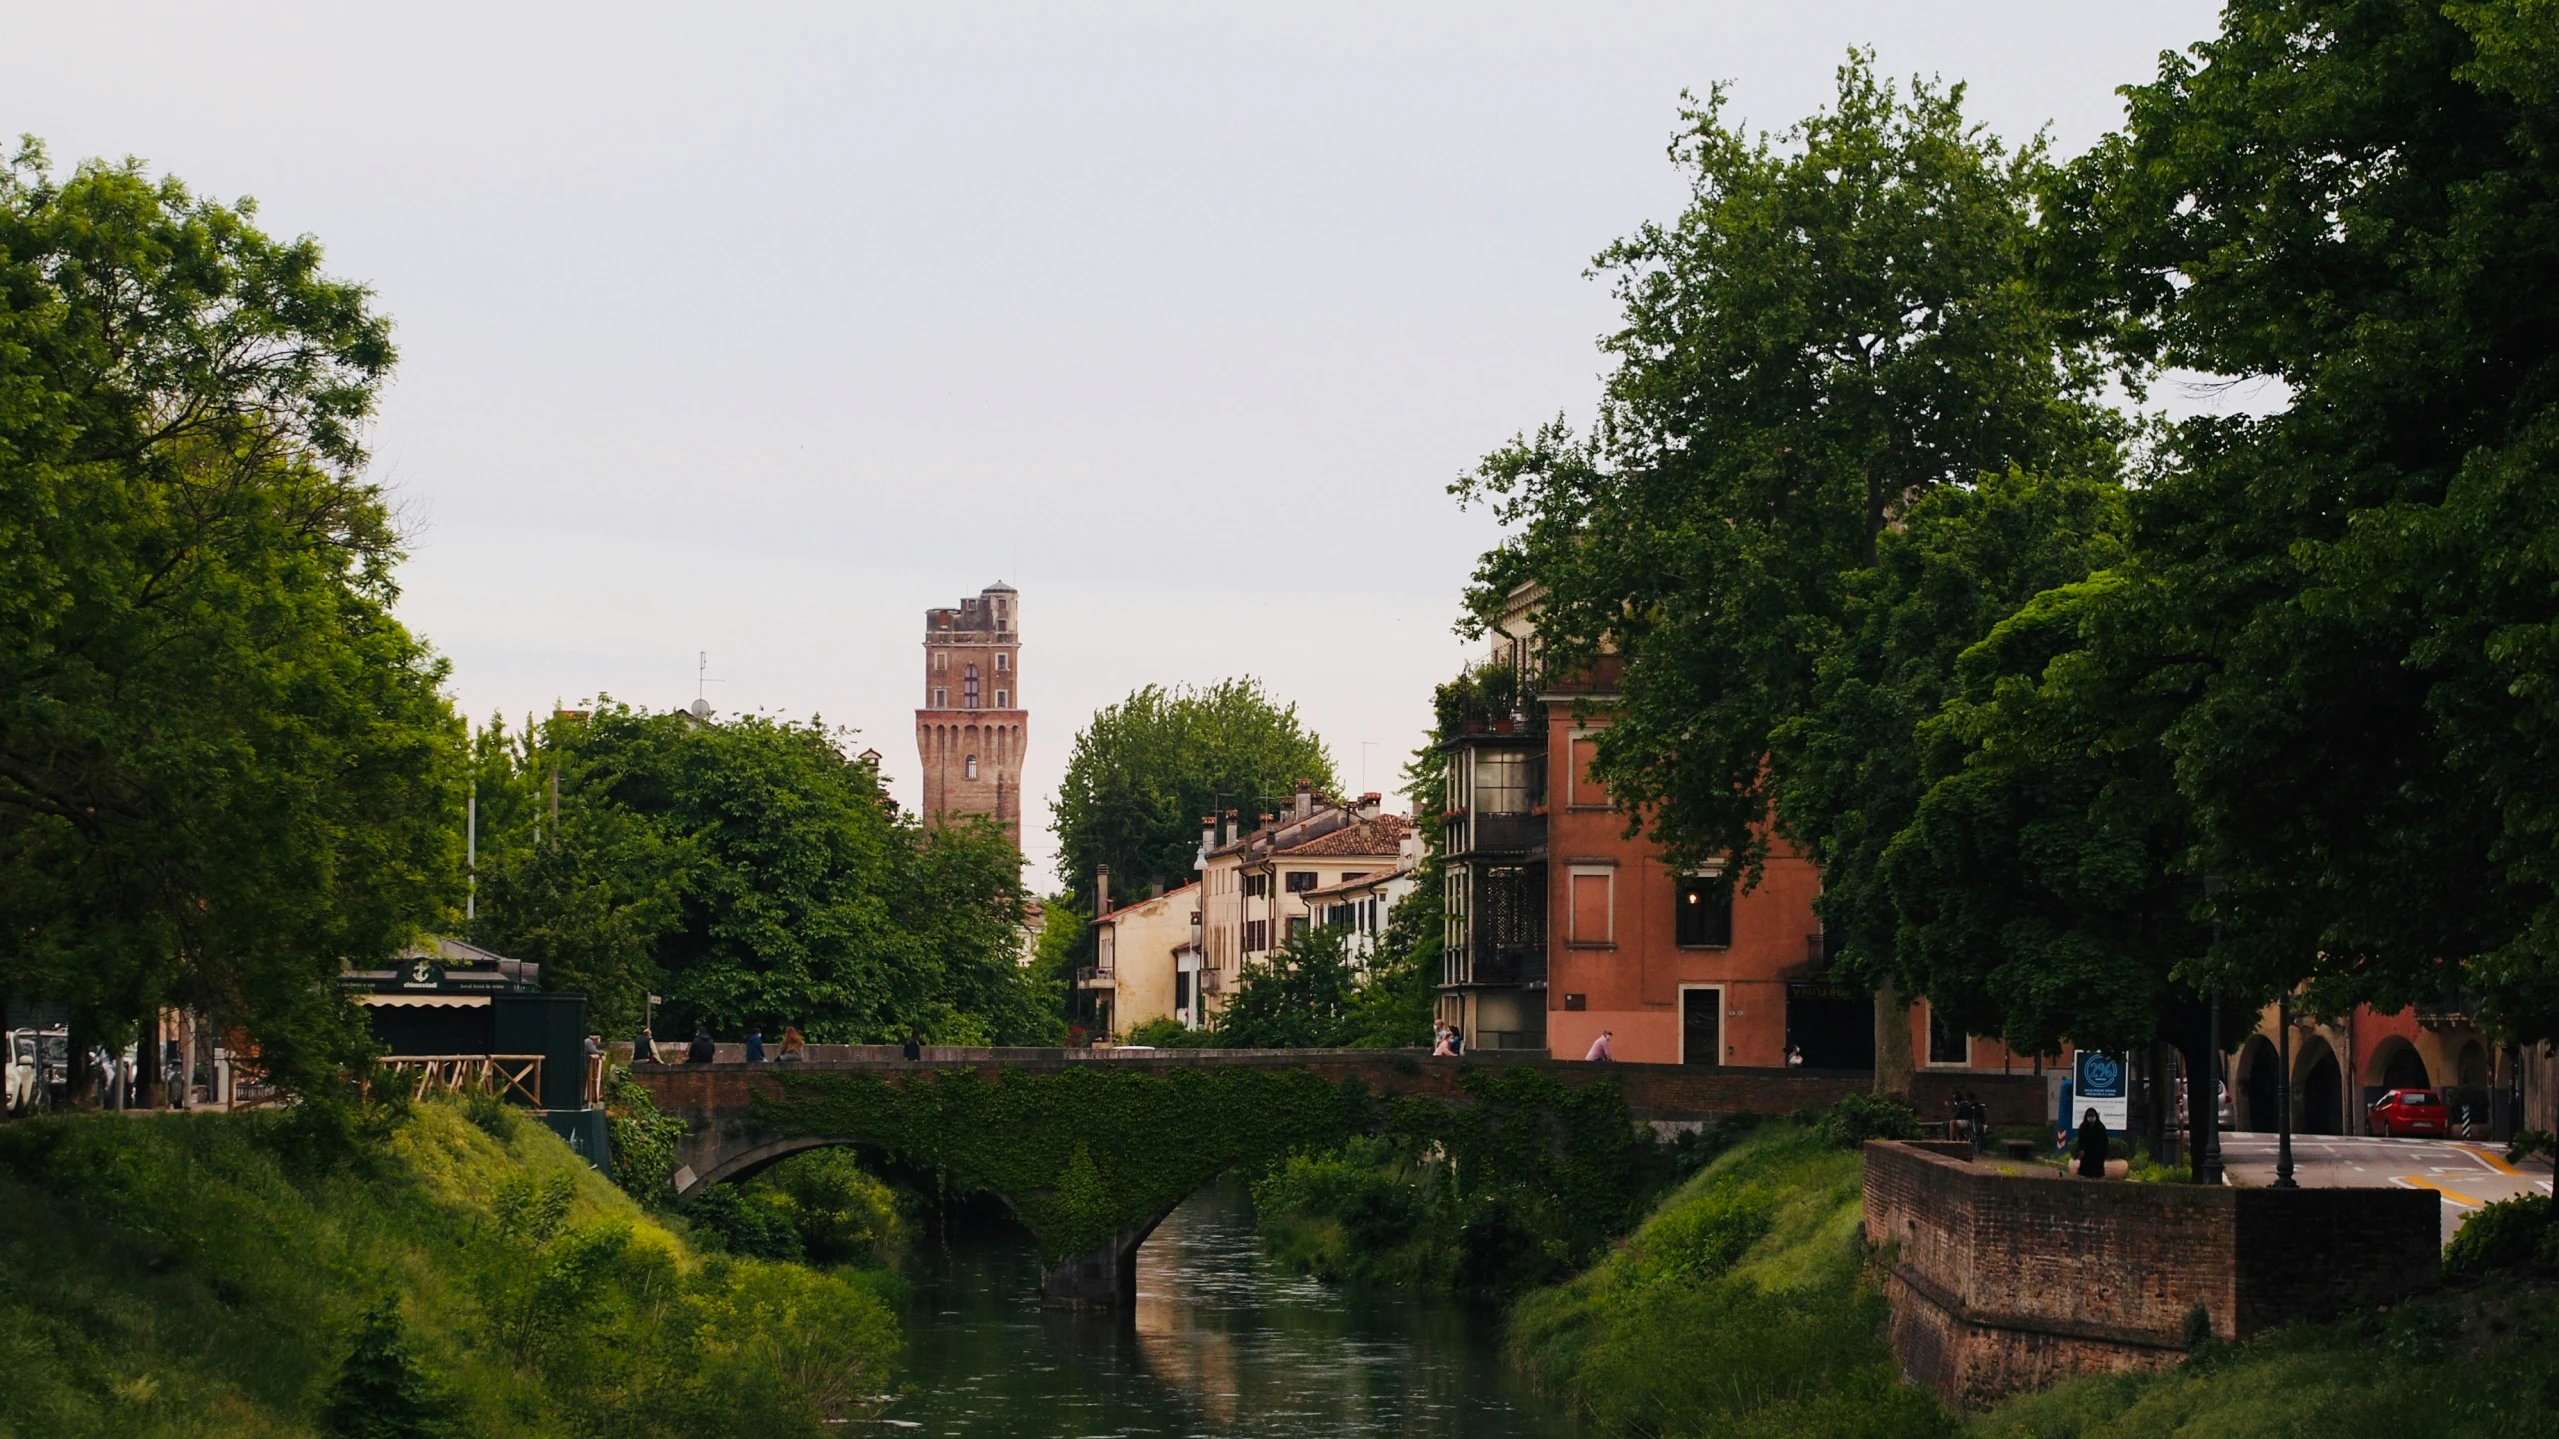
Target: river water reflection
1222,1344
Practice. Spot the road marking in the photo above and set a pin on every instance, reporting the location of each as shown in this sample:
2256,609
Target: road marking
2486,1158
2454,1196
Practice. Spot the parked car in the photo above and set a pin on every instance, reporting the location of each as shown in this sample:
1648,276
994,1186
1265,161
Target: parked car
2409,1113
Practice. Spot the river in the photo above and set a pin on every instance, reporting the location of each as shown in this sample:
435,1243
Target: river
1223,1343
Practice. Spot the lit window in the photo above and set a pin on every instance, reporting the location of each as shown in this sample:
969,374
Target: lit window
1704,919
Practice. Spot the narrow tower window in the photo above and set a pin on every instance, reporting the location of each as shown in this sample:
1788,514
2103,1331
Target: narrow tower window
968,687
972,767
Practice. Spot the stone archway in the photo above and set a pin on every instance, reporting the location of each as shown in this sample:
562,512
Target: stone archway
2259,1087
2396,1064
2470,1070
2321,1088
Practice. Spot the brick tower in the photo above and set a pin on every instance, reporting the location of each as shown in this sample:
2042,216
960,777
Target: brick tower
972,726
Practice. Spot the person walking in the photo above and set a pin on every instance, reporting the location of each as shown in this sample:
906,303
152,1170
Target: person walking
755,1046
2092,1147
704,1049
1599,1053
795,1050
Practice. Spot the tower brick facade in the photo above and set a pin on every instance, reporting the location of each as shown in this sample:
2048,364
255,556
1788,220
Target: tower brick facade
972,727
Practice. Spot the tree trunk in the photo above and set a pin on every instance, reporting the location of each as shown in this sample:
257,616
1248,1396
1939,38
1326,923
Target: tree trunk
1894,1067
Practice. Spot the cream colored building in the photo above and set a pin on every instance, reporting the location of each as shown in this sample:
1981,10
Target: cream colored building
1135,975
1256,885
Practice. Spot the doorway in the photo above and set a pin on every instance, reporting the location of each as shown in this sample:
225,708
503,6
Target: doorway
2323,1094
1701,1024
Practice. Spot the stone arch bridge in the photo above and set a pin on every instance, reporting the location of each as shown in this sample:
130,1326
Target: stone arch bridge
1092,1148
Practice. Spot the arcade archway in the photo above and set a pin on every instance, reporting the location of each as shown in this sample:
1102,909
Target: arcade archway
2322,1087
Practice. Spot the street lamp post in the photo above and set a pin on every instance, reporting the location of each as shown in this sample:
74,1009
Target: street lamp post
2208,1113
2283,1092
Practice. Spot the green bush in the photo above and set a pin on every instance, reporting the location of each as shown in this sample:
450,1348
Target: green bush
758,1223
2526,1144
1857,1118
843,1214
642,1139
2508,1234
1164,1032
379,1392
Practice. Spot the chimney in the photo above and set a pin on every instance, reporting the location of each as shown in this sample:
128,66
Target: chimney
1208,834
1305,798
1371,804
1155,890
1230,826
1101,890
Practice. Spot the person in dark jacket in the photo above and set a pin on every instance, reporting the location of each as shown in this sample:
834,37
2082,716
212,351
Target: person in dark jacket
704,1048
914,1047
2092,1147
755,1046
644,1050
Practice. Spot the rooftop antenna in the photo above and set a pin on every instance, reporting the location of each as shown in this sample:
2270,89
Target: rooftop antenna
702,679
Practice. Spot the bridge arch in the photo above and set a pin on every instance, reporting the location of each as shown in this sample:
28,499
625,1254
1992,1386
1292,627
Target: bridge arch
1091,1152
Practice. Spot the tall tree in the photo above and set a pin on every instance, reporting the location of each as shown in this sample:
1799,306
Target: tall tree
758,876
224,767
1843,320
2357,199
1144,770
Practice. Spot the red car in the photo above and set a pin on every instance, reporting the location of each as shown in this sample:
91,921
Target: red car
2415,1113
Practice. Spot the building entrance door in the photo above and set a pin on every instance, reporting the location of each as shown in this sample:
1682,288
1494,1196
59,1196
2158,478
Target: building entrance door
1701,1026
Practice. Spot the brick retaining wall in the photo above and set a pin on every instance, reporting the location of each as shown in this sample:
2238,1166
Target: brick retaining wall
2002,1283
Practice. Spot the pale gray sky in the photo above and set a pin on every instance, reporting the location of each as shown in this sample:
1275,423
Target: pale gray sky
759,329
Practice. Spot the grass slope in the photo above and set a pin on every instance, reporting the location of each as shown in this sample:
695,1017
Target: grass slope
1738,1309
185,1275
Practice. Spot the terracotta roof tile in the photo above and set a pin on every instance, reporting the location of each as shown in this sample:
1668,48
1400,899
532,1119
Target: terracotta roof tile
1382,835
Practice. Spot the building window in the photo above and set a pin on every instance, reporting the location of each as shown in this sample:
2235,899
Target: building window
1256,885
1003,699
1947,1042
1296,926
1300,881
972,767
1257,935
1003,663
1704,915
941,661
1586,792
941,699
968,686
1501,782
1594,894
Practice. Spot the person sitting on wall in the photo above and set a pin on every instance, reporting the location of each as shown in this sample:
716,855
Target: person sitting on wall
1599,1049
704,1049
913,1049
2092,1147
644,1050
795,1050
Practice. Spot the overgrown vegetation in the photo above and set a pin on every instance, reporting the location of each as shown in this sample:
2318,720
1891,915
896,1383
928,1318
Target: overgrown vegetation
819,1207
203,1274
1739,1307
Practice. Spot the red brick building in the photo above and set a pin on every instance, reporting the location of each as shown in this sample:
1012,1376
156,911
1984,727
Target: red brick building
973,725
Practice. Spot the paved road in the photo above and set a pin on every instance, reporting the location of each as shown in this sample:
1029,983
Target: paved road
2468,1176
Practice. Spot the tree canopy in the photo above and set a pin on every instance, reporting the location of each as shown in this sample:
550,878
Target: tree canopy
1143,771
756,876
225,768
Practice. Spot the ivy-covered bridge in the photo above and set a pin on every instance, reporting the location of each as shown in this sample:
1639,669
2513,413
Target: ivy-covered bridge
1092,1148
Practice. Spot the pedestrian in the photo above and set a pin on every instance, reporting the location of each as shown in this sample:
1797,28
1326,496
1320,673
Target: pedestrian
1794,1057
1599,1049
755,1046
913,1049
644,1050
1441,1040
2092,1147
704,1049
795,1050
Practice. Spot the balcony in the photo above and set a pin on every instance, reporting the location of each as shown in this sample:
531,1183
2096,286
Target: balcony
1095,976
1498,834
1494,967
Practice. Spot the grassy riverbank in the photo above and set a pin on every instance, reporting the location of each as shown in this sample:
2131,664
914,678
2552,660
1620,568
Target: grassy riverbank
227,1275
1741,1308
1737,1309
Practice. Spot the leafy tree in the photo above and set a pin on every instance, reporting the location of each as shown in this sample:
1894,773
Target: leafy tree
758,876
1299,998
225,769
1843,320
1145,770
1398,992
1850,767
2357,200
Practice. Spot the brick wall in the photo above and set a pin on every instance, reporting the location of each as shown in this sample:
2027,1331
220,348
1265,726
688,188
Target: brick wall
2005,1282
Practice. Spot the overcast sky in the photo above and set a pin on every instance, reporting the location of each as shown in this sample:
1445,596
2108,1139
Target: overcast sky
757,330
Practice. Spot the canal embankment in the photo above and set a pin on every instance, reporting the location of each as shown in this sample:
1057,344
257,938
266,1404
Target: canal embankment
454,1271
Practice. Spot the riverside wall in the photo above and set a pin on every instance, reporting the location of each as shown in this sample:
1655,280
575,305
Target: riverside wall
2006,1282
